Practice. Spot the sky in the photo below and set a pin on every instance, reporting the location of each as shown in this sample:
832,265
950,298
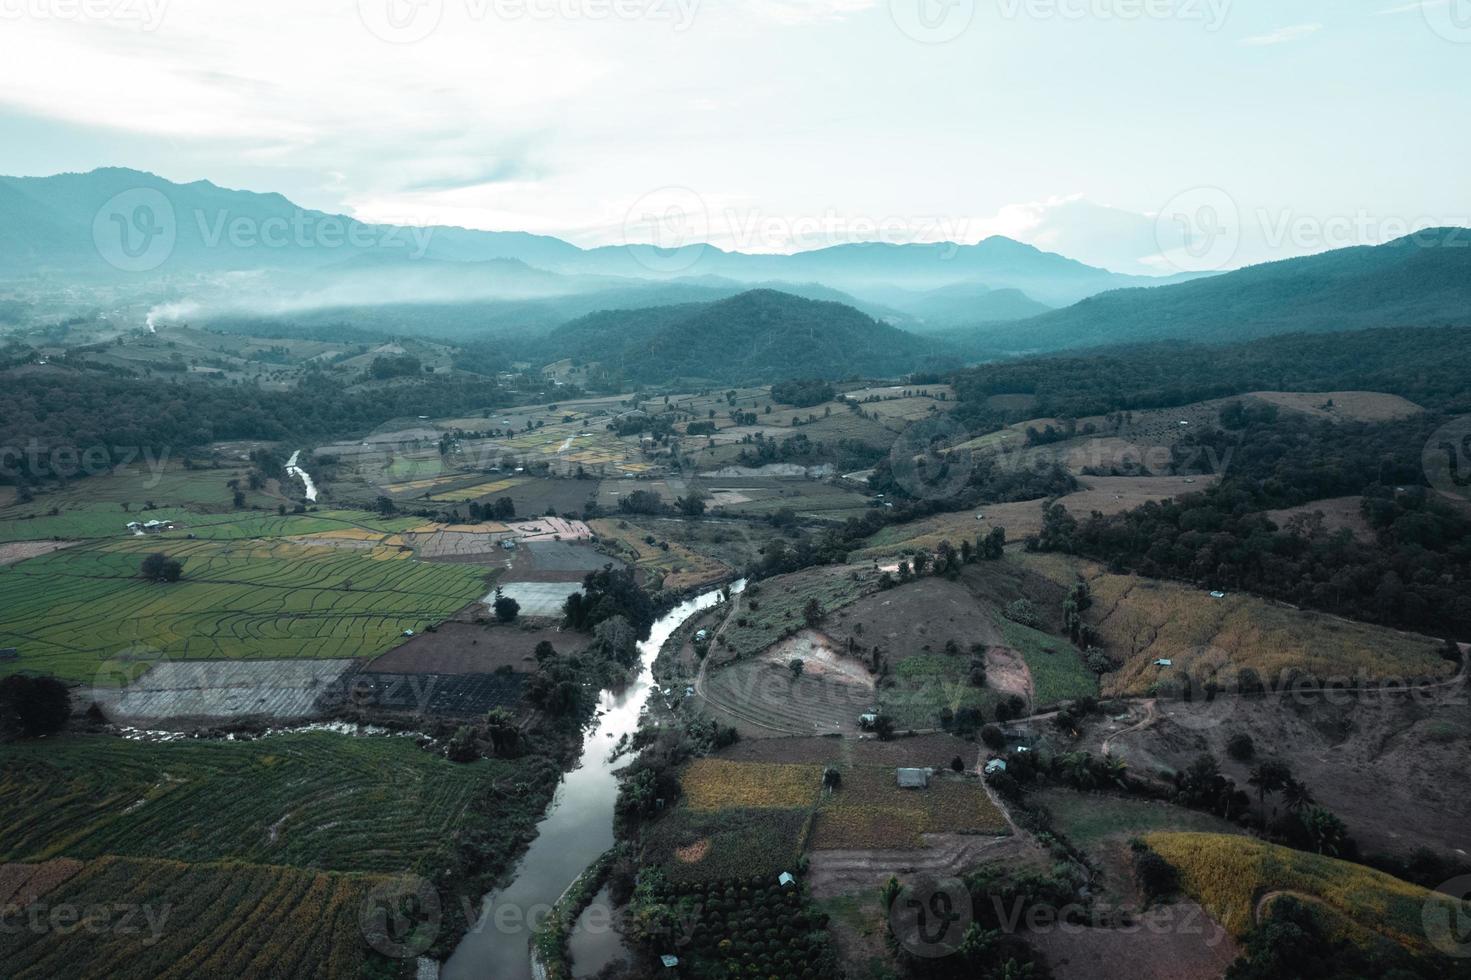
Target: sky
1139,135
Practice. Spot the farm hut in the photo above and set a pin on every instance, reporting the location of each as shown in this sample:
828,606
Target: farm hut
995,766
1164,663
9,653
913,778
1218,594
868,719
785,879
669,960
701,636
509,544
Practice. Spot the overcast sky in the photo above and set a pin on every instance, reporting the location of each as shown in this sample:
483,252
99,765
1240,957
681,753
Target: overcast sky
1083,126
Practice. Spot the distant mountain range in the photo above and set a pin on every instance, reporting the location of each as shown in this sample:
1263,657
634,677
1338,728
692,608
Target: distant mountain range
1422,280
55,225
244,256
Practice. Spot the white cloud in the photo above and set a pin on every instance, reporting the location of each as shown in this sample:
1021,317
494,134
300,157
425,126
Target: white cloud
1283,35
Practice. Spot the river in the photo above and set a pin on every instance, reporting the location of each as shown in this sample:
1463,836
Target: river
293,470
577,827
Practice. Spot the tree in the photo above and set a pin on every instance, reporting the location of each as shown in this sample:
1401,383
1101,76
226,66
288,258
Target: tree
1325,830
1240,747
1269,777
1157,878
883,726
796,666
832,778
506,608
159,567
692,504
1296,795
33,706
812,612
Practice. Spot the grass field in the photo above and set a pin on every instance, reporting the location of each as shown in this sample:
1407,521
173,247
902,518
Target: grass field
698,846
1057,668
73,611
179,921
870,811
1089,818
920,686
1140,620
310,800
1228,875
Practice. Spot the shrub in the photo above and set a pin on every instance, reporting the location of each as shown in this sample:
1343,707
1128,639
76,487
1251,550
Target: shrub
1240,747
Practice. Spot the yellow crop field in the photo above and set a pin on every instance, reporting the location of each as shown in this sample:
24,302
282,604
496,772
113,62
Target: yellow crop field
717,784
1229,875
870,811
479,490
1141,620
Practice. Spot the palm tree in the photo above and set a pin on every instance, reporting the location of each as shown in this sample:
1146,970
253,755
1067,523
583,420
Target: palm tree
1296,795
1114,769
1269,777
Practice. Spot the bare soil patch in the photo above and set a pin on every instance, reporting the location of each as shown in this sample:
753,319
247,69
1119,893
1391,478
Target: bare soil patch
1393,768
469,648
1170,942
914,619
18,551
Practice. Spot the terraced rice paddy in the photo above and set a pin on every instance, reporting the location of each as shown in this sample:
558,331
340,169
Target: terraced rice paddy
74,612
214,920
476,490
311,800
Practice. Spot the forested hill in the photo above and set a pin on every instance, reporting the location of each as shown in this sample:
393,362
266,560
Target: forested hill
1421,280
758,335
1428,366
